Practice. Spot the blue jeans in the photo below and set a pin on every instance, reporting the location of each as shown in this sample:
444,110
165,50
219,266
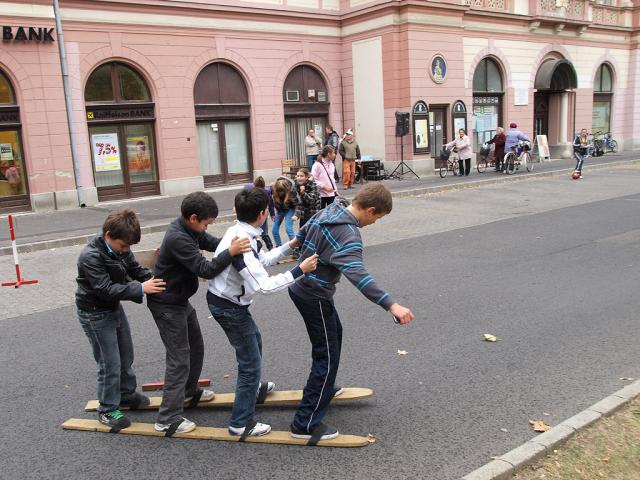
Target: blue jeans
244,337
579,156
110,338
310,160
288,225
325,333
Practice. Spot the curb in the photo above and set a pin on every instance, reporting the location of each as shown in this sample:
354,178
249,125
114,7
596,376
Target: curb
503,467
82,239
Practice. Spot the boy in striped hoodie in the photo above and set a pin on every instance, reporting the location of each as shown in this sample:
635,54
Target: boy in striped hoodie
333,234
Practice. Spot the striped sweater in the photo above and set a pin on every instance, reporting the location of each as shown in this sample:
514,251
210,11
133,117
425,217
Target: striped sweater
334,235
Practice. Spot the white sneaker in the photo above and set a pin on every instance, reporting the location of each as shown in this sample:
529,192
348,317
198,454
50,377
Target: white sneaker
257,431
270,387
207,395
185,426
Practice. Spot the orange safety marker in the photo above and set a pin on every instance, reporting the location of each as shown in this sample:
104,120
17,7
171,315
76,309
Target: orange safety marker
19,280
203,382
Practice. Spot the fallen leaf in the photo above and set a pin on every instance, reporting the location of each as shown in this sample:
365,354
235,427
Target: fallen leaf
539,425
490,338
504,430
372,438
402,352
226,375
626,378
545,413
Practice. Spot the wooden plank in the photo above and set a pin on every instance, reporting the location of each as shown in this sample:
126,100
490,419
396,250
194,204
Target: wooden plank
212,433
203,382
278,397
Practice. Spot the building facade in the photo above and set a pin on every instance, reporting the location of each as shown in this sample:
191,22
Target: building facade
171,96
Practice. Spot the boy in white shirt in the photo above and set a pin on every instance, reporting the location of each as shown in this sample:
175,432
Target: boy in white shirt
231,293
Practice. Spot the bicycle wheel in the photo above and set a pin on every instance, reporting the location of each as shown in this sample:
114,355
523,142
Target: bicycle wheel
510,163
613,145
456,168
481,165
443,171
598,145
526,158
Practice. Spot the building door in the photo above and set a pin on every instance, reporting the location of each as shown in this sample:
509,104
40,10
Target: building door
14,193
222,119
488,94
540,114
296,129
120,116
438,128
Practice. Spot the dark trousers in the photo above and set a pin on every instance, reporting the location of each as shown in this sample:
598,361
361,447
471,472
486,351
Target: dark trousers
265,235
465,166
180,333
324,201
325,333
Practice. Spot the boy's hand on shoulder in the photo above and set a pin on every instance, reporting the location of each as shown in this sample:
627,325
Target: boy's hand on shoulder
309,264
403,314
153,285
295,243
239,245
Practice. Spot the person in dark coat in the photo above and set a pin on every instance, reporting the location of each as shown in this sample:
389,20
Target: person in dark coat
498,140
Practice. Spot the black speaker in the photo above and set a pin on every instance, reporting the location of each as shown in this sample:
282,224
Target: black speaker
402,124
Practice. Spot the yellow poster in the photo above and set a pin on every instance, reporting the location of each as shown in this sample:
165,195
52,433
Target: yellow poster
421,133
138,154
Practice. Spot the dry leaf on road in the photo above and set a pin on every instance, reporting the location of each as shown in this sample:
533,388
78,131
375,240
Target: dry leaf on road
490,338
372,438
539,425
226,375
402,352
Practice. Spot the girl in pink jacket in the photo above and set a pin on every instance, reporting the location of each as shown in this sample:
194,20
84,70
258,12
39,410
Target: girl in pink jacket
323,171
463,146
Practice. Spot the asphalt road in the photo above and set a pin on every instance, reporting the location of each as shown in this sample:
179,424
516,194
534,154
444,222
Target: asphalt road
558,288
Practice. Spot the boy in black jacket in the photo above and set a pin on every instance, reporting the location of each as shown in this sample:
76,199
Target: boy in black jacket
181,262
107,274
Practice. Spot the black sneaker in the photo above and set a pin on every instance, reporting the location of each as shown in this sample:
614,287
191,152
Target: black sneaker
115,419
135,401
328,434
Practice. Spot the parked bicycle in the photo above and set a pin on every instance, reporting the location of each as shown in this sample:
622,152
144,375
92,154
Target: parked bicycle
520,157
485,159
605,143
449,162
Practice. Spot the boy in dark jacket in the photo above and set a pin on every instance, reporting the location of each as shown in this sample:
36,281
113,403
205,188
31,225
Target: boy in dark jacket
334,236
108,273
181,262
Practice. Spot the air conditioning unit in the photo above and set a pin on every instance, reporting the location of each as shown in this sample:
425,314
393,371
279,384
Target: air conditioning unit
292,95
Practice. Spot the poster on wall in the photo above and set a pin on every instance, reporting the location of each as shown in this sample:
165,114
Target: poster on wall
138,154
459,123
543,146
6,152
600,117
421,133
105,152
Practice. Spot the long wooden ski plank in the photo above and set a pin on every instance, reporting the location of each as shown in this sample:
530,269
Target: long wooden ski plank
217,434
279,397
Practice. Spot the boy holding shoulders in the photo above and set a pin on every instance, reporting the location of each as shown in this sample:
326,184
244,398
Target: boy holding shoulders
181,262
107,274
334,235
230,295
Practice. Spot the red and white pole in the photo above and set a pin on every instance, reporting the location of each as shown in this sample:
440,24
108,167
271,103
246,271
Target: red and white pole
19,280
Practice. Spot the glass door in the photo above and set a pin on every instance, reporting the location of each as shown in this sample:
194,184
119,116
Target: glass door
296,129
107,159
223,151
437,130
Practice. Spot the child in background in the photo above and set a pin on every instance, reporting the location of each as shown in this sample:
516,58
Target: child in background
259,183
308,194
107,274
285,200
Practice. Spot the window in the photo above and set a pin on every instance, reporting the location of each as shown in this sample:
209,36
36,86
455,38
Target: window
6,92
127,84
603,81
487,77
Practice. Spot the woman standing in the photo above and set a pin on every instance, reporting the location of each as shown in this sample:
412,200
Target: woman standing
498,140
285,199
463,146
323,171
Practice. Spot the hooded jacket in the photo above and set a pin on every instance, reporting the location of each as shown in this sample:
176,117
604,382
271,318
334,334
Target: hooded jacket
106,277
334,235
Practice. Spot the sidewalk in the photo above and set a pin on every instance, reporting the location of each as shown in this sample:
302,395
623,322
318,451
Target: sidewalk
39,231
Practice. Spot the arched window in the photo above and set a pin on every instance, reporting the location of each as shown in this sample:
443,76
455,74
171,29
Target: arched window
222,118
488,93
13,187
120,114
306,107
602,99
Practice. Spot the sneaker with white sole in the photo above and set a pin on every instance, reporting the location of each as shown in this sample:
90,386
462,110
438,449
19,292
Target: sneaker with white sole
207,396
185,426
270,387
257,431
329,432
114,419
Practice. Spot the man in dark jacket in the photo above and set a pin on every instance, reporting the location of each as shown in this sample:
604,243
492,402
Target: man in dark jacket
181,262
332,139
107,274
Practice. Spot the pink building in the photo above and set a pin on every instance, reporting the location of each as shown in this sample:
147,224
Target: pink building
171,96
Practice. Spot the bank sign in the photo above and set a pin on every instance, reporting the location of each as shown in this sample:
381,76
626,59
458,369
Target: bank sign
28,34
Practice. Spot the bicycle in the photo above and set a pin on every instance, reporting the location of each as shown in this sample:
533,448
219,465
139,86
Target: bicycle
604,143
512,162
483,162
449,162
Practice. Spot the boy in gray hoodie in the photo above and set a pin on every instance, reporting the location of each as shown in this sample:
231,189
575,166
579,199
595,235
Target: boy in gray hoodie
333,234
